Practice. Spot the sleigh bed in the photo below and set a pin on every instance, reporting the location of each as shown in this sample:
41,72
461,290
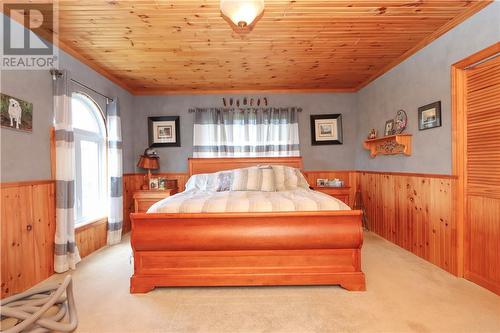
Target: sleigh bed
246,249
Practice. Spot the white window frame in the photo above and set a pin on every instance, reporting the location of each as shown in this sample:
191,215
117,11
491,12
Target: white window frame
99,138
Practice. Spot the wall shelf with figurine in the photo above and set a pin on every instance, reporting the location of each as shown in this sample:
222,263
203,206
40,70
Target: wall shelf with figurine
389,145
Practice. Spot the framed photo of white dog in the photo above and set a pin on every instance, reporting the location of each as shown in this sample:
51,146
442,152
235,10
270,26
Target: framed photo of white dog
16,114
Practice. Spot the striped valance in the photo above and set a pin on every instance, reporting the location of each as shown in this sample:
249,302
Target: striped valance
240,132
249,108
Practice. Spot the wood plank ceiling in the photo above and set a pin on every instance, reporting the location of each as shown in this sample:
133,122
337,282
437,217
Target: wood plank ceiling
185,46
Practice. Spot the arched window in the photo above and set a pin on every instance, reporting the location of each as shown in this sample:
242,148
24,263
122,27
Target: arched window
90,158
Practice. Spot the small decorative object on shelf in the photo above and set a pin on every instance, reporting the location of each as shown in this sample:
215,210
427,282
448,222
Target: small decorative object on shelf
390,145
335,183
321,181
389,127
372,134
400,122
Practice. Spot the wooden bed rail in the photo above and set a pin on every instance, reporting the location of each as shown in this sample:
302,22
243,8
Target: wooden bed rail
244,249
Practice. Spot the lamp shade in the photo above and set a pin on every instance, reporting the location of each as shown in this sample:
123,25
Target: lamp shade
242,12
148,162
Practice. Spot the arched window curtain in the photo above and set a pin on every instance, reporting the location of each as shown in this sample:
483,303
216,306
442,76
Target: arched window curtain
66,254
111,195
115,173
251,132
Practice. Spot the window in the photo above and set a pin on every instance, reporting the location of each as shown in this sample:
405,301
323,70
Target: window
90,159
246,132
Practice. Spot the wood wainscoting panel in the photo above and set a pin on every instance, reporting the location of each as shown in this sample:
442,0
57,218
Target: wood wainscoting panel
27,239
415,212
91,237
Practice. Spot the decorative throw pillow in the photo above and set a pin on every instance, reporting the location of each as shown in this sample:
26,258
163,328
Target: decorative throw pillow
217,181
224,181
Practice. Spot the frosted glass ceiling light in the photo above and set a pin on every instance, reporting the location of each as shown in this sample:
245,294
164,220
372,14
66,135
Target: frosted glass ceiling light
242,12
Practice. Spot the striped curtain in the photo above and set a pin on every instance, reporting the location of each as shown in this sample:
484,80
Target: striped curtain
115,188
249,132
66,254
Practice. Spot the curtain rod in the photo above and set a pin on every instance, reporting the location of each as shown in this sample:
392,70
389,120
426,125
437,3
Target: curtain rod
87,87
250,108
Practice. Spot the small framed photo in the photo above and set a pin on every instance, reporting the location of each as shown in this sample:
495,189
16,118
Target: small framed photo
389,127
164,131
321,182
162,183
326,129
429,116
154,183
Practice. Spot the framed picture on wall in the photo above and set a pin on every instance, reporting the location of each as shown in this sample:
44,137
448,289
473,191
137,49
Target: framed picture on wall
326,129
164,131
389,127
429,116
16,114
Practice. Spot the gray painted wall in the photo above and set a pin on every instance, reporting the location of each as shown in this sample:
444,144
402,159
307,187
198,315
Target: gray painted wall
26,156
174,159
422,79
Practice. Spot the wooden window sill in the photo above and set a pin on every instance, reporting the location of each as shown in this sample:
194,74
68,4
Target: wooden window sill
91,224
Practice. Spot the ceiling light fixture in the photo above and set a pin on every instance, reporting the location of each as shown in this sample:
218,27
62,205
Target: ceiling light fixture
242,13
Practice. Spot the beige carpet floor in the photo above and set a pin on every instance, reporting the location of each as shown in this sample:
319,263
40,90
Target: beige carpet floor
405,294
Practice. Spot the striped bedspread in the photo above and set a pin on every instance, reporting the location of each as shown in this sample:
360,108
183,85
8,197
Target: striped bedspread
196,201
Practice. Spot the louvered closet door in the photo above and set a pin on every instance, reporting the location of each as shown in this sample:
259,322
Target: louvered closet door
483,174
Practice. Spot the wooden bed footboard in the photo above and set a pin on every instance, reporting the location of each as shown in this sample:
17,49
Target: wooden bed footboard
247,249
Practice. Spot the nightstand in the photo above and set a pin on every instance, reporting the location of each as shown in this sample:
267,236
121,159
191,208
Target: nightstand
144,199
341,193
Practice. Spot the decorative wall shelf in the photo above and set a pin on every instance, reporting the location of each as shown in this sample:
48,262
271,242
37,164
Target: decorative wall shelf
389,145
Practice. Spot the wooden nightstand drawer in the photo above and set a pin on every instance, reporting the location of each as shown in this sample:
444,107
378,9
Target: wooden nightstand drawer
146,198
341,193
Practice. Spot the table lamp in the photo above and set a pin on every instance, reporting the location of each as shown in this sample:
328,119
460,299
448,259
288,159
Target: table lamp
149,161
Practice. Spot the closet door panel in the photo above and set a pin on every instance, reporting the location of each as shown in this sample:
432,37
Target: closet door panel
483,175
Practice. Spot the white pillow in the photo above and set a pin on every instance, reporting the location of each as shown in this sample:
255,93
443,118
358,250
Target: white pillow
288,178
253,179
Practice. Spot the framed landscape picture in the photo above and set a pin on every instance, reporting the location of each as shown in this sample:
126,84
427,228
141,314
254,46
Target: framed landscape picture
429,116
16,114
326,129
164,131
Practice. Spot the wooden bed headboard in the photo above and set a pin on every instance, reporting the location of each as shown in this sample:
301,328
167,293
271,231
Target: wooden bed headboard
209,165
